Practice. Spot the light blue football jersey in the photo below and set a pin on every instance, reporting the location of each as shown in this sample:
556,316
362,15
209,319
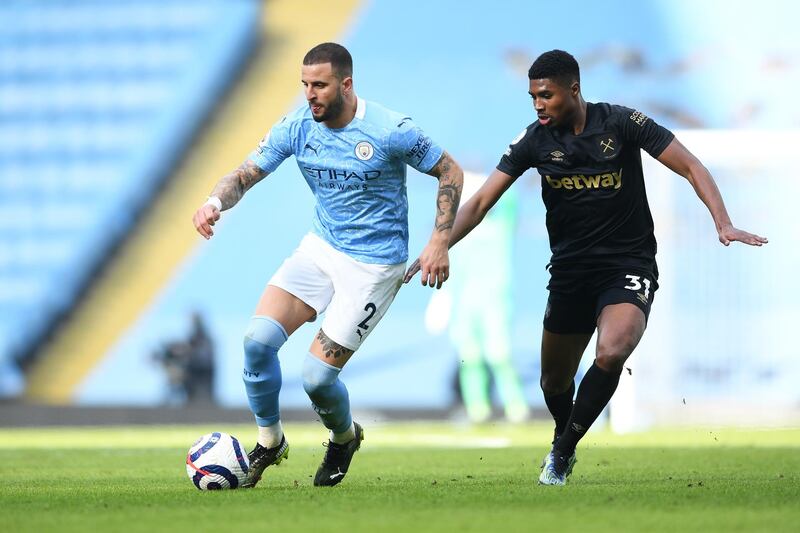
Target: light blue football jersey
357,174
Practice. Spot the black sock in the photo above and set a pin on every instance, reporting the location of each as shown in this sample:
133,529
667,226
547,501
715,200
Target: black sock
560,406
596,389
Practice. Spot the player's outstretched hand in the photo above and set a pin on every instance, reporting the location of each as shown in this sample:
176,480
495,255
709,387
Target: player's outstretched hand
434,264
729,234
412,270
204,218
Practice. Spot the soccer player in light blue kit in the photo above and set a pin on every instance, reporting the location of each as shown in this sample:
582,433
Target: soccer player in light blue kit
353,155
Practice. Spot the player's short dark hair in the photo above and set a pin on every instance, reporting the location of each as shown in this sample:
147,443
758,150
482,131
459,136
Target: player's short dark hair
337,55
556,65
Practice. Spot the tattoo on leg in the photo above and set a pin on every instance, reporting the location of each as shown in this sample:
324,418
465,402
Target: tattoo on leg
330,348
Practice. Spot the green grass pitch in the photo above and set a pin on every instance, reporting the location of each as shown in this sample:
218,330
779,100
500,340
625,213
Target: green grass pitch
407,477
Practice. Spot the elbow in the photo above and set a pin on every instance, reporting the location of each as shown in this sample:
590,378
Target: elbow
696,172
482,207
458,172
457,181
457,176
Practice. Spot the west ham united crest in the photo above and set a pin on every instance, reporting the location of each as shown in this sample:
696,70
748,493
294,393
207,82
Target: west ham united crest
608,145
364,151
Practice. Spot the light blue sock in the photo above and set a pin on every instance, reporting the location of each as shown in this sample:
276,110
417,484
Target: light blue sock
262,369
328,394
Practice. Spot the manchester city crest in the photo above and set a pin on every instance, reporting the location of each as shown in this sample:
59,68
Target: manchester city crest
364,151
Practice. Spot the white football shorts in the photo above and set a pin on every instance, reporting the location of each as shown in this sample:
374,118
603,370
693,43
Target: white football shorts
354,296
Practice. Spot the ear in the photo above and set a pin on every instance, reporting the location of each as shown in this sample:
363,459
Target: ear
347,84
575,88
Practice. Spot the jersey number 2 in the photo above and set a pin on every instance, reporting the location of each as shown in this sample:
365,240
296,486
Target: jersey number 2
370,308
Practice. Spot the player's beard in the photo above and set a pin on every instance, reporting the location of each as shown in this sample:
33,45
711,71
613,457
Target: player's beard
333,109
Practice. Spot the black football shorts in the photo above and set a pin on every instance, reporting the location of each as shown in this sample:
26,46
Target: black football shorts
577,297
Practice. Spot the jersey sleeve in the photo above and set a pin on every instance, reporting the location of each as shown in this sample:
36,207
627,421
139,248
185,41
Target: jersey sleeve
274,147
518,156
643,131
410,144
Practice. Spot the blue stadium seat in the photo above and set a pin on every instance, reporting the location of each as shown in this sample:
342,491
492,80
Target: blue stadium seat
97,100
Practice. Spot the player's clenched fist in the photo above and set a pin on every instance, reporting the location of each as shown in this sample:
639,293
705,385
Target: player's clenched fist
205,217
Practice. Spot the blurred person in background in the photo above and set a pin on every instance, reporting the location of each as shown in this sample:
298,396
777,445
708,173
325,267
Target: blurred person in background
353,155
189,365
477,305
603,273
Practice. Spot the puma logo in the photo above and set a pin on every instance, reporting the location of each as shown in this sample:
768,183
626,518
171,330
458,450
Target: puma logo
339,473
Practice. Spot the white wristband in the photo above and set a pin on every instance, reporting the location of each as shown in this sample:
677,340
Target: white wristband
216,202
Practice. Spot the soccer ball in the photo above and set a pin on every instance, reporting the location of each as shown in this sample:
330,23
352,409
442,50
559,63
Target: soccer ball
216,461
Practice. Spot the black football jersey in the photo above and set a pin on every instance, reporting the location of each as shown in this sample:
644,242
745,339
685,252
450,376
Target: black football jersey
593,185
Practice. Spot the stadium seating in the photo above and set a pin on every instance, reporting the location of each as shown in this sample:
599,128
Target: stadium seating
98,99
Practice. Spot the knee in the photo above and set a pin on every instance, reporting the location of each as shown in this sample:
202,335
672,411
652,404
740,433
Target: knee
318,375
261,343
264,334
611,356
554,383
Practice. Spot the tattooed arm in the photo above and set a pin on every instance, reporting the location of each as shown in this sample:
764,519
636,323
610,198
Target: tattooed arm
434,261
231,187
472,212
227,192
451,181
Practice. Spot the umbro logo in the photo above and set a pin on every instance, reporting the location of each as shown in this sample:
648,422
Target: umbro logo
557,155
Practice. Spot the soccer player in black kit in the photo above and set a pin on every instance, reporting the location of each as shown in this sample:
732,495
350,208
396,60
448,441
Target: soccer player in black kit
603,272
